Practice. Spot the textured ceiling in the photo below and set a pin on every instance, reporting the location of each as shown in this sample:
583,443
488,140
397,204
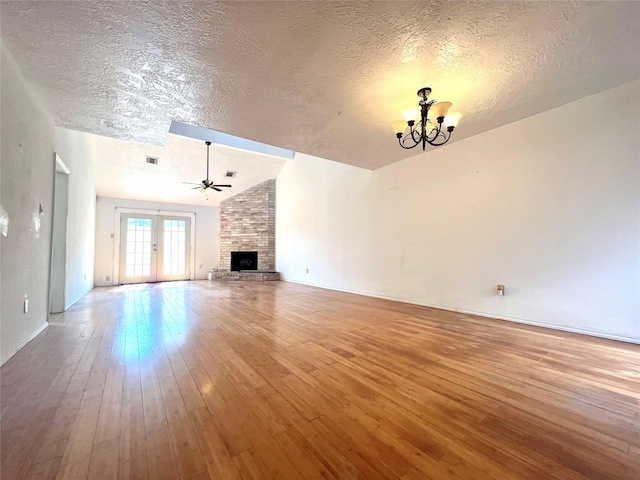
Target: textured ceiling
121,170
323,78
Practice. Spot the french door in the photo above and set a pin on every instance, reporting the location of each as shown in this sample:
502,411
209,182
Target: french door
154,248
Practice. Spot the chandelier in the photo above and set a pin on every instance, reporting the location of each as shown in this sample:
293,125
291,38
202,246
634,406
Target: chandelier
433,126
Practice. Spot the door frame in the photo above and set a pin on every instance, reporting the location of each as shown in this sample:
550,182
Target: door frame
116,235
57,298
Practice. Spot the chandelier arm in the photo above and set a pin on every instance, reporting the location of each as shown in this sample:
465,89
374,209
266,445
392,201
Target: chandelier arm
414,131
403,139
442,134
434,133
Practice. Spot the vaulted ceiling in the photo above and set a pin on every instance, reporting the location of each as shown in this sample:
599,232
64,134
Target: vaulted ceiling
323,78
121,170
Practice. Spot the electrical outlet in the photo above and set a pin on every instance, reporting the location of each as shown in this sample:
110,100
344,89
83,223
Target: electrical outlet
85,276
307,270
107,278
26,304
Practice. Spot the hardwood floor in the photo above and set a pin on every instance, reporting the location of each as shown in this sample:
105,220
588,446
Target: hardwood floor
229,380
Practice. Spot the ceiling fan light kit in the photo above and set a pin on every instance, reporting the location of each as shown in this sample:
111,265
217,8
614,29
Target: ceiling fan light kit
432,124
207,186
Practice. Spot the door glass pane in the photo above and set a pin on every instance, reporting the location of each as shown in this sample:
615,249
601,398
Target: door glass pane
138,247
174,248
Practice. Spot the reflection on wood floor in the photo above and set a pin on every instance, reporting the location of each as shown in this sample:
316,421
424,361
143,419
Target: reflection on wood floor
272,380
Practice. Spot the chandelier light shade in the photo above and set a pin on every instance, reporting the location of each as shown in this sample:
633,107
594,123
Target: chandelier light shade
399,126
452,119
440,109
412,114
432,124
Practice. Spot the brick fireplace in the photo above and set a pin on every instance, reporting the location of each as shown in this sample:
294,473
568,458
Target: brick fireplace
248,224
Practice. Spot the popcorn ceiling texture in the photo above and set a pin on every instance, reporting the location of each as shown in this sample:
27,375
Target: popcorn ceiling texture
322,78
248,223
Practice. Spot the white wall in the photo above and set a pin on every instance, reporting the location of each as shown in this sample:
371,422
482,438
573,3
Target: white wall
28,166
77,150
206,237
548,206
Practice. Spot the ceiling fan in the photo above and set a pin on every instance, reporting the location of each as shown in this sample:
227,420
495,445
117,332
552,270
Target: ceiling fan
207,185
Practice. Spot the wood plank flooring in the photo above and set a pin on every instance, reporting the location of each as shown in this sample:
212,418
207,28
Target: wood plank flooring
230,380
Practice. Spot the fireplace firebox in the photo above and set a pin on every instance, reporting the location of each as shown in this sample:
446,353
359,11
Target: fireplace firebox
244,261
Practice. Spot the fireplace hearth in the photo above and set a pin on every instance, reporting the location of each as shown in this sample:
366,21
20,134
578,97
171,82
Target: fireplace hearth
244,261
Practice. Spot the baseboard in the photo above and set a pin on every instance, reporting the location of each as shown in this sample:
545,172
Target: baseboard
562,328
581,331
23,343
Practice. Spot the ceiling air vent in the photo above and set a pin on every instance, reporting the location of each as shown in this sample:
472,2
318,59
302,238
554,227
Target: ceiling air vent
153,160
230,174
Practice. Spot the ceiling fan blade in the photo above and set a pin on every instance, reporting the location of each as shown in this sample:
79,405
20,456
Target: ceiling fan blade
222,185
197,188
192,183
216,189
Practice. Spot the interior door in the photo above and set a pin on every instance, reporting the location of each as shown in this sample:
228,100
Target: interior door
154,248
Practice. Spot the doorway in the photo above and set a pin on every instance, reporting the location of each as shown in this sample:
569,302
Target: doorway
57,283
154,248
